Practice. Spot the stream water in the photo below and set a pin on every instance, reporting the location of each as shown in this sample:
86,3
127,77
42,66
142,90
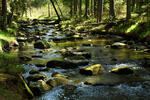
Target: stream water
96,46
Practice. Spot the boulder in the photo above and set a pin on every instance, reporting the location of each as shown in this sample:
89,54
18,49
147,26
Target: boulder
41,45
56,81
40,87
77,54
122,70
118,45
21,39
56,74
40,65
34,71
61,64
13,43
92,70
5,46
35,78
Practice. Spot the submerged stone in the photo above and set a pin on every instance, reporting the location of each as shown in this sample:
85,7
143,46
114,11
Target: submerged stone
92,70
122,70
21,39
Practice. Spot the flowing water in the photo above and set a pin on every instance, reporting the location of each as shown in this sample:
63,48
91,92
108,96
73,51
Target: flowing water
96,46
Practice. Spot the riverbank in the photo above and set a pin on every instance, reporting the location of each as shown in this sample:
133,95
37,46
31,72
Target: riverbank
136,28
12,86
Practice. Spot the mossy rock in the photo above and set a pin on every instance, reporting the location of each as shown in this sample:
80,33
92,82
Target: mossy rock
56,81
122,70
41,45
92,70
35,78
40,87
56,74
118,45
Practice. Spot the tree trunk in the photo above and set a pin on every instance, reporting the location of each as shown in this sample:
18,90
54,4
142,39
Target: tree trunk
49,10
75,7
95,8
71,8
133,5
91,7
59,8
137,5
80,8
100,10
86,9
4,14
128,15
111,9
0,7
55,10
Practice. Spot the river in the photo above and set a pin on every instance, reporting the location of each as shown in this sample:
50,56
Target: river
111,87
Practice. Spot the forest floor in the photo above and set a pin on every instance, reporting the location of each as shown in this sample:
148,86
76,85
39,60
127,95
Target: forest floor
135,28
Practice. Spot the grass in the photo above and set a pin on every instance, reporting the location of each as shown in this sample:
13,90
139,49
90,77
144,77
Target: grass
6,36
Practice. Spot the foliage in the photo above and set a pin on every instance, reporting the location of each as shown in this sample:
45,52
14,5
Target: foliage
38,3
18,7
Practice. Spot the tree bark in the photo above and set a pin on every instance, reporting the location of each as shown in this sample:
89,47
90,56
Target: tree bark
112,9
95,8
59,8
86,9
80,8
55,10
137,5
128,15
4,14
71,8
100,10
49,10
91,7
75,7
